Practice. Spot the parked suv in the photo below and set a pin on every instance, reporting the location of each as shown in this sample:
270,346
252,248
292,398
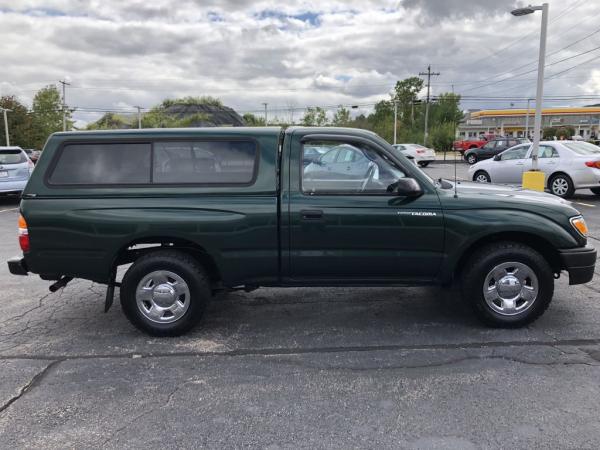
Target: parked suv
15,169
491,149
199,211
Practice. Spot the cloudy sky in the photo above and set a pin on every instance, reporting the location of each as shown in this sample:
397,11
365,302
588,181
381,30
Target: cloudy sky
119,54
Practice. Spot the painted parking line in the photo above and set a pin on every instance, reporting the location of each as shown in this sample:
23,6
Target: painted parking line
9,209
585,204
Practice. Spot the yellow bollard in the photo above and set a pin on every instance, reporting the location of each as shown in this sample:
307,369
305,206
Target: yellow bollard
534,180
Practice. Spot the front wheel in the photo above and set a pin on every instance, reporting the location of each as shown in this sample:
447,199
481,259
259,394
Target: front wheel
165,293
472,158
423,164
508,284
482,176
561,186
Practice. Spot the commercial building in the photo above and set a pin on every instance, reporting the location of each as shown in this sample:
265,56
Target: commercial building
519,122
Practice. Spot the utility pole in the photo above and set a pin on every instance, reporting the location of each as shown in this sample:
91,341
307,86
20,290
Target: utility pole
265,105
4,111
526,135
64,103
139,116
429,74
395,119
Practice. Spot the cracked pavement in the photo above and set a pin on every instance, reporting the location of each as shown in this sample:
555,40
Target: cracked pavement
297,368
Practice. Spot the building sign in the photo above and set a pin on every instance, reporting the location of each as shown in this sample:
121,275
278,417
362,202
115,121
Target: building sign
474,122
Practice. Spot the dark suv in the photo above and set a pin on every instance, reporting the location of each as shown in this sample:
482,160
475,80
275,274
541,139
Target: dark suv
492,148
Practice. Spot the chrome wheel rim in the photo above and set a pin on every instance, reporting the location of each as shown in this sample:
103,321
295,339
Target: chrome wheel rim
162,296
510,288
471,159
481,178
560,186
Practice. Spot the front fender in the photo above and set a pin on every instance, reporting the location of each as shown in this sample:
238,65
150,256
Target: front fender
468,229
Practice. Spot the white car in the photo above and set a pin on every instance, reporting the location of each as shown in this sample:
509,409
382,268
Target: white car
422,155
568,165
15,169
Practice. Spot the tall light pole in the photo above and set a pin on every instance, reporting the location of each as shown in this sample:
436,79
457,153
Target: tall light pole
534,179
265,105
139,116
395,119
4,111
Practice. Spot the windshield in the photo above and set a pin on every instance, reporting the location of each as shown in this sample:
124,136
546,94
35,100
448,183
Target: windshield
582,148
12,157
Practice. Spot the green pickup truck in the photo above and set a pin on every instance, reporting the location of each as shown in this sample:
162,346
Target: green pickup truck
198,211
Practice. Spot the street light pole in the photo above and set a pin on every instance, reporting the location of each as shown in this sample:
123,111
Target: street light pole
265,104
530,180
139,116
4,111
395,119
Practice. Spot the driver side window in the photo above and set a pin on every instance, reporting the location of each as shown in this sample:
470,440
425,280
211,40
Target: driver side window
345,168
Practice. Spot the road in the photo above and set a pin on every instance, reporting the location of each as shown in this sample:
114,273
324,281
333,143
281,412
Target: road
298,368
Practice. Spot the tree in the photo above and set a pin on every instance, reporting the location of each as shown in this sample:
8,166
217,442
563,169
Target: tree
314,117
251,120
46,115
441,136
406,92
19,123
341,117
110,121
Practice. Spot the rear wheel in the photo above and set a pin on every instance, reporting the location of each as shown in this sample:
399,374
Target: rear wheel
424,163
481,176
596,190
508,284
561,185
471,158
165,293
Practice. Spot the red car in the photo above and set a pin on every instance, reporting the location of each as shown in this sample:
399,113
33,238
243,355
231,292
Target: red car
472,142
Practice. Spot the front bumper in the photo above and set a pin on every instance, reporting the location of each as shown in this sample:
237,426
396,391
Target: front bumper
17,266
580,263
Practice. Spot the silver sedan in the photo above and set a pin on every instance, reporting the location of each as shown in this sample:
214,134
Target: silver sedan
568,166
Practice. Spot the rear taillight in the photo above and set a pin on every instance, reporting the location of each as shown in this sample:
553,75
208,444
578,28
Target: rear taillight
31,166
420,152
23,234
594,164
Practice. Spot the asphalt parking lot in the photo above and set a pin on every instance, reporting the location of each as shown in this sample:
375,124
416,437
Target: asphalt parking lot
298,368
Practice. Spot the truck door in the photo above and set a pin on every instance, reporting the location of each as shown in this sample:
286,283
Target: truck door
345,226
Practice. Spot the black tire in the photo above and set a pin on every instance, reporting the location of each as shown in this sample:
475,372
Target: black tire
482,174
423,164
176,262
471,158
472,147
561,185
481,263
595,190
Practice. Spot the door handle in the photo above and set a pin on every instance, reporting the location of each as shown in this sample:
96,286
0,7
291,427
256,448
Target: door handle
311,214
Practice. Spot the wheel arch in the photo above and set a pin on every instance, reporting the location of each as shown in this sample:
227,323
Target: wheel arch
539,244
136,248
558,172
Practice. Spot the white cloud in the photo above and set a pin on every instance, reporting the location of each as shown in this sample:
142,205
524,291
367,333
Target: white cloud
121,54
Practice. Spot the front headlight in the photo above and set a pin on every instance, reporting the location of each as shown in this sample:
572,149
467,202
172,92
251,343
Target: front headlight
579,224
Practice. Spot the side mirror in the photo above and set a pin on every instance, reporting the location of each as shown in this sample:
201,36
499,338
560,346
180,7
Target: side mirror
497,157
406,187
